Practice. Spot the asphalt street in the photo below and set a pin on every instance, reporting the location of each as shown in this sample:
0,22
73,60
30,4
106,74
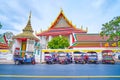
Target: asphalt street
60,72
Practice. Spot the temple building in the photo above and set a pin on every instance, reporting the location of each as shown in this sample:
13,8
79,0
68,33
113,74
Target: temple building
25,41
5,48
60,27
78,38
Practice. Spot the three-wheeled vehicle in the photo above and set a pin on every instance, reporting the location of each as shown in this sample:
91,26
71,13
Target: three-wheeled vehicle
79,57
92,57
107,57
51,59
64,58
27,59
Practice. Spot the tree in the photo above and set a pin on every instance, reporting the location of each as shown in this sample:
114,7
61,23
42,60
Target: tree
59,42
0,25
111,29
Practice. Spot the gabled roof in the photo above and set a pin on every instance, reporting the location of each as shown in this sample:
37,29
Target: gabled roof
62,21
61,26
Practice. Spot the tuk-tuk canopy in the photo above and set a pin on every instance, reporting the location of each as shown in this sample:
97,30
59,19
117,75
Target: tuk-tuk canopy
107,51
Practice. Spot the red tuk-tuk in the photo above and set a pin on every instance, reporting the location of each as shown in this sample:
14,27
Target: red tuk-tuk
79,57
107,57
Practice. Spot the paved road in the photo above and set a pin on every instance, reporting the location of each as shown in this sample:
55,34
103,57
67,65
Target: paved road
9,72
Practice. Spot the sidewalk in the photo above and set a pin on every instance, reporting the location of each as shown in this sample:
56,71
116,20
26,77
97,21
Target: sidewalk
6,62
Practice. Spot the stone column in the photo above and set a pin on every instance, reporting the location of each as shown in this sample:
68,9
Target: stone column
70,39
50,37
72,56
42,57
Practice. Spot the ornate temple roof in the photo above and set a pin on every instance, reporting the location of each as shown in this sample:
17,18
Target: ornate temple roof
89,37
4,46
61,26
90,40
3,42
27,31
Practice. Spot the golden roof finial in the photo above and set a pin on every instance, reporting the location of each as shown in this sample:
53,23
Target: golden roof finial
28,26
30,16
81,27
61,9
41,30
87,29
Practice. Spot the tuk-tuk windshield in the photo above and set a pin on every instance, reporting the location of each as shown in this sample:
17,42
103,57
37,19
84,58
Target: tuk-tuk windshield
92,54
108,58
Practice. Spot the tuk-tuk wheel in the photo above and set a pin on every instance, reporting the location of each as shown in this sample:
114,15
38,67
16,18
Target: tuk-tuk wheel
33,62
17,62
83,62
103,62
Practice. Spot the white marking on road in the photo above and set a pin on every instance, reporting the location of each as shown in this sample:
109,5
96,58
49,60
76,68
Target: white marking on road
31,76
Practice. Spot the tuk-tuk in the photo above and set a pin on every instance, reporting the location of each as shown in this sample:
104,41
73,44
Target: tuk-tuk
64,58
79,57
107,57
48,60
92,57
27,59
51,58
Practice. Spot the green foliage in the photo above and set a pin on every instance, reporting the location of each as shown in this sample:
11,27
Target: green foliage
0,25
112,29
59,42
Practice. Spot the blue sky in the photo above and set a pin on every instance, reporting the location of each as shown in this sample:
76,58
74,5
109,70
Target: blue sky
87,13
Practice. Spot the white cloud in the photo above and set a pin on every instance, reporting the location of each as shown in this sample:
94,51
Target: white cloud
89,13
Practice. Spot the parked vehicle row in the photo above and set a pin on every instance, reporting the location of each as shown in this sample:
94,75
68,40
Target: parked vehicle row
90,57
80,58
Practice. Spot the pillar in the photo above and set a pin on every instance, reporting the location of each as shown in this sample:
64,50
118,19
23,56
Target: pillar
70,39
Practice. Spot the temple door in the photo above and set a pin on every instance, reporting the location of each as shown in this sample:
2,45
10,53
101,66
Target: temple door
23,48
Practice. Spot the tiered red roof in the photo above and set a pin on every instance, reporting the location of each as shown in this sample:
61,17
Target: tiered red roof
3,46
3,42
90,37
61,26
89,40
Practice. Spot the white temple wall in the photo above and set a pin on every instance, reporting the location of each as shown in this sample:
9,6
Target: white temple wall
17,44
43,42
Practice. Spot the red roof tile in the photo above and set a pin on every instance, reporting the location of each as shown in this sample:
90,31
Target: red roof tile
90,37
3,46
61,31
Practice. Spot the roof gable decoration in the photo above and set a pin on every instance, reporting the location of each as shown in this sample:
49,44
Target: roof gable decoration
61,20
61,23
